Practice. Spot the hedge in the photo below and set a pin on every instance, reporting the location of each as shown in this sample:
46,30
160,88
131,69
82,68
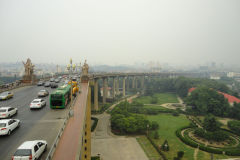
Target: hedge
229,151
210,150
233,152
231,131
95,158
185,140
94,123
156,147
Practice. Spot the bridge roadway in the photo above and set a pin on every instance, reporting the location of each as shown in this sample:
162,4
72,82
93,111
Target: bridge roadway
69,146
44,123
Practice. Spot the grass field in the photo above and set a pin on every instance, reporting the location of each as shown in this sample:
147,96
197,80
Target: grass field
150,151
168,124
157,107
162,98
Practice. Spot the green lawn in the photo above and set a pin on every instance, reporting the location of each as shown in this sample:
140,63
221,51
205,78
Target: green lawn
162,98
168,124
157,107
150,151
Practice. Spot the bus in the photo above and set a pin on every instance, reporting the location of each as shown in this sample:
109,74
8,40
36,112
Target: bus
60,97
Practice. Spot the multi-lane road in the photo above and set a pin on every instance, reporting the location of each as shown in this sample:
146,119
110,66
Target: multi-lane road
44,123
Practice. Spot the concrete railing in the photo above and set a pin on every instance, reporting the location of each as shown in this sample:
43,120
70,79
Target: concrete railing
10,86
162,74
17,84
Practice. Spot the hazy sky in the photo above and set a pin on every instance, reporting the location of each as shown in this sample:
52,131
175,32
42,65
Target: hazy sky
120,31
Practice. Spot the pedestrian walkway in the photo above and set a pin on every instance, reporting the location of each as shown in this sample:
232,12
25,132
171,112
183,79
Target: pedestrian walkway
69,145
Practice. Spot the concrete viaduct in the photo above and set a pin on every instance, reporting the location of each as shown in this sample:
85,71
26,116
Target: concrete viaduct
126,78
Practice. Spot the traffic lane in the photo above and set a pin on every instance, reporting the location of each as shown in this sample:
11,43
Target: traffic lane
46,130
24,113
33,116
24,97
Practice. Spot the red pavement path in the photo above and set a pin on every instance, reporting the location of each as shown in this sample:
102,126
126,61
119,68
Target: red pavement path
68,145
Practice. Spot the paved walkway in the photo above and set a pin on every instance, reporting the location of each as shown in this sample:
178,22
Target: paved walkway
112,147
69,143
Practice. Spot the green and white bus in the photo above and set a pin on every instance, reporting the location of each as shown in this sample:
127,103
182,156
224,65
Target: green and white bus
60,97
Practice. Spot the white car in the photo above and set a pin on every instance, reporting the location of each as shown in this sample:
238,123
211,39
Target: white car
37,103
8,125
7,112
30,150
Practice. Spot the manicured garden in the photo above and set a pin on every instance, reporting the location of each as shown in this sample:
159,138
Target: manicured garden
168,125
156,107
148,148
161,98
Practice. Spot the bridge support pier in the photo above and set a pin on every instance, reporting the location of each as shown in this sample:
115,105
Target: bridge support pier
127,83
133,82
114,88
142,82
117,86
96,94
124,85
136,82
104,90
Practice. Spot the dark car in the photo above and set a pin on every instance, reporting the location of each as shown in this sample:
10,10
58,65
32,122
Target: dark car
53,85
57,80
47,84
40,83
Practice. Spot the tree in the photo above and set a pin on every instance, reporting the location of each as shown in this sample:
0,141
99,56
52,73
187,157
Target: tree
234,126
154,125
156,135
180,154
165,146
205,100
154,100
210,123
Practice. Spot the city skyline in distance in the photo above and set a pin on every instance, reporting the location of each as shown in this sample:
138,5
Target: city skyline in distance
121,33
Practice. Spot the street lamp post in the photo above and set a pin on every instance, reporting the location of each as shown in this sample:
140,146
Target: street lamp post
71,67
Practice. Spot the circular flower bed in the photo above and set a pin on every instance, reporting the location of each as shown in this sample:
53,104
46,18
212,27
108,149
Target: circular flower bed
230,146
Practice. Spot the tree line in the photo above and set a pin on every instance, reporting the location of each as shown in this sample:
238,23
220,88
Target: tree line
205,100
125,120
181,85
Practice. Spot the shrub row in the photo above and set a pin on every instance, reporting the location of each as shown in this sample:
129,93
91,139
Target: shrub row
157,148
94,123
231,131
233,152
229,151
95,158
210,150
185,140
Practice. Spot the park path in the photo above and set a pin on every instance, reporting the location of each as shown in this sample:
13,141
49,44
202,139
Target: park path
129,99
195,153
109,146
